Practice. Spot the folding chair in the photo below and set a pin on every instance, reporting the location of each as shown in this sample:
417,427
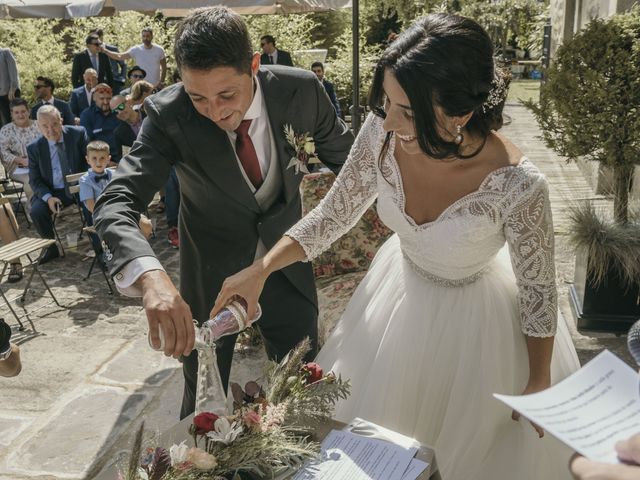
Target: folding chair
24,247
15,189
71,182
98,254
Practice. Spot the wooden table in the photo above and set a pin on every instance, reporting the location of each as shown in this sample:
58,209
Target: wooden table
179,432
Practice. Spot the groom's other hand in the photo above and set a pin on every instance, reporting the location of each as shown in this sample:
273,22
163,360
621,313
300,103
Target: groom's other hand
628,451
166,309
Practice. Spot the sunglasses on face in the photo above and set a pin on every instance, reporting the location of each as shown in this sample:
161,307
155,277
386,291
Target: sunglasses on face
137,76
262,44
38,87
118,108
95,44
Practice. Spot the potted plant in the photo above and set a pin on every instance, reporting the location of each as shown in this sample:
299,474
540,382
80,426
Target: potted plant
590,108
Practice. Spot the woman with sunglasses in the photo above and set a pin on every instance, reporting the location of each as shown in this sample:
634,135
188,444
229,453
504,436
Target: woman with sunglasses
461,302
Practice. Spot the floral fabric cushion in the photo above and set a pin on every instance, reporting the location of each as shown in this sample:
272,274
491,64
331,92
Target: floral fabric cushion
356,249
333,296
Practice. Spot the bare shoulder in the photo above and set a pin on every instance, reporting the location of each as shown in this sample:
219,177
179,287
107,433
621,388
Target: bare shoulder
509,153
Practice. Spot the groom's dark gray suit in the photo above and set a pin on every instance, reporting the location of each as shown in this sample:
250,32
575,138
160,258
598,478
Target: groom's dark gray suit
220,220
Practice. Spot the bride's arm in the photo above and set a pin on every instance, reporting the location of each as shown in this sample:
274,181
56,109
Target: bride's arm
351,195
529,232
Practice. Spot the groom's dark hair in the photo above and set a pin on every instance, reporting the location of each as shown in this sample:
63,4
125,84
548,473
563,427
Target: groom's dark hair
213,37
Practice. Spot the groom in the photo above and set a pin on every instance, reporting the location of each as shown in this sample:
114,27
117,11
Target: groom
223,130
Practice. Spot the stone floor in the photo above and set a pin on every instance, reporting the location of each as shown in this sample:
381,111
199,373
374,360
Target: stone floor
89,377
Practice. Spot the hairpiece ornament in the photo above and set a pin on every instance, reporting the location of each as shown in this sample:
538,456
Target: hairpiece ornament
497,94
459,138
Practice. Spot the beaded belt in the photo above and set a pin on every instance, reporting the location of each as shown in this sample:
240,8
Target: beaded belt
445,282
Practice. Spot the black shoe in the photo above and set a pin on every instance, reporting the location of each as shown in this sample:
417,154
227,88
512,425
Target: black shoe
50,254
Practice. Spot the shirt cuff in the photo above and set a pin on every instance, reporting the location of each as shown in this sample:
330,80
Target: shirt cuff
126,278
46,197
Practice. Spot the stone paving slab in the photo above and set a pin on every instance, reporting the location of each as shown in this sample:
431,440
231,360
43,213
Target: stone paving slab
80,431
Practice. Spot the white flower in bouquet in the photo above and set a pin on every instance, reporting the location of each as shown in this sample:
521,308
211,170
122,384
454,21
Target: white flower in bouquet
201,459
225,431
178,453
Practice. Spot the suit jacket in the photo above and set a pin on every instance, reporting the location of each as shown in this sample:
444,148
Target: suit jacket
81,62
328,87
118,67
220,220
40,170
78,100
62,106
284,58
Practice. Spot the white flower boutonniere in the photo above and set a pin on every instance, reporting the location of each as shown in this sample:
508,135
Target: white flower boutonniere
304,148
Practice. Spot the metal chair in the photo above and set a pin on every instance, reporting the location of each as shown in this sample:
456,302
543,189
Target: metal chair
98,252
24,247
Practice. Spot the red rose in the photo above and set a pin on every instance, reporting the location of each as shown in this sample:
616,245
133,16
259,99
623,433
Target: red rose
312,372
205,422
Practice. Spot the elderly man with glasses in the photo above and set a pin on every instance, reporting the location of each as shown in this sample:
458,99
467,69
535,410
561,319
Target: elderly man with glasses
92,57
44,88
100,122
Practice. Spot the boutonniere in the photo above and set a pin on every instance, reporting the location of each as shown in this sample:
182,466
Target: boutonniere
304,148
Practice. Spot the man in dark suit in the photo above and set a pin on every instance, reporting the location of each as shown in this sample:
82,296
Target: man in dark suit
118,67
59,152
44,92
271,55
318,69
82,97
222,129
92,57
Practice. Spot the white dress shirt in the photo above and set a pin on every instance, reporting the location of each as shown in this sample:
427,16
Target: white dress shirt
260,133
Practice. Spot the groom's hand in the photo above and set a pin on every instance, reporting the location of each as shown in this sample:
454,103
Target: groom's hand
165,308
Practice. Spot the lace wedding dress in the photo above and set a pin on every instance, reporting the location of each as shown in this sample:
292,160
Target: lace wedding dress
438,324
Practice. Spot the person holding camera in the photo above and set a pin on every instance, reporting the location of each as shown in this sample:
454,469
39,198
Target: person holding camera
10,364
94,58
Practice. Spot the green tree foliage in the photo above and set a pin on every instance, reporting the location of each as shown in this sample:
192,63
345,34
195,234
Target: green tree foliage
589,103
39,50
46,47
510,22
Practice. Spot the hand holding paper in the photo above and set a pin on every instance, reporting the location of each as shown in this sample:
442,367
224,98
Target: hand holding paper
591,410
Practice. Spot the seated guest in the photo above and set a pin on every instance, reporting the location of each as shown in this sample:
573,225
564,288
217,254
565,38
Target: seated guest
130,121
139,92
8,234
10,364
92,57
135,74
44,93
59,152
318,69
82,97
93,183
14,138
100,122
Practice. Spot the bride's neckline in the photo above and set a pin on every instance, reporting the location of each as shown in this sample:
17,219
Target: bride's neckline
450,207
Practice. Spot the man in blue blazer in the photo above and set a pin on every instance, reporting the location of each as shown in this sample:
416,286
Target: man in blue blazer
59,152
82,97
318,69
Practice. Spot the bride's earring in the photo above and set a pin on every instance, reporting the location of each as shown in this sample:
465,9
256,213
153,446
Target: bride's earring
459,137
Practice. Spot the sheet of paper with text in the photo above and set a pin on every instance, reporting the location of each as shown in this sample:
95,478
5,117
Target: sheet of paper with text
590,410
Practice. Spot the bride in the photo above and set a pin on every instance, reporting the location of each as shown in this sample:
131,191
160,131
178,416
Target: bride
461,302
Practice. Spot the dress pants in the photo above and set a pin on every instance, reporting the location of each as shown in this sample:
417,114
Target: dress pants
41,215
287,318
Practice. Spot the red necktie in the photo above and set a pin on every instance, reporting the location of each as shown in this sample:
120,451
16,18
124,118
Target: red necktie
247,154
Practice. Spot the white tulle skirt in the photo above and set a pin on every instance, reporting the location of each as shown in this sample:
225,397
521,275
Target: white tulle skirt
425,359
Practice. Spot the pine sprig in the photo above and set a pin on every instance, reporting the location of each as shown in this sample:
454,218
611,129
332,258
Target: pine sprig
279,378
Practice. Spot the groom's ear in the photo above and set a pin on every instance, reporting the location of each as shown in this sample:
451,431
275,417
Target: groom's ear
255,64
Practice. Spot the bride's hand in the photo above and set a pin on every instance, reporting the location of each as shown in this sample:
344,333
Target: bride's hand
248,284
533,387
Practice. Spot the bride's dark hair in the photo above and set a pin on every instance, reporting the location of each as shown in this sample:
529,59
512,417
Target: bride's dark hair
444,60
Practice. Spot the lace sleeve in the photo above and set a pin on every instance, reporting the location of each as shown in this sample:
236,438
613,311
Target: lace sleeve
529,232
352,193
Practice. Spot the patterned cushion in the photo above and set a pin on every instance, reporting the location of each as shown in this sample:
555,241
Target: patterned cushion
355,250
333,296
